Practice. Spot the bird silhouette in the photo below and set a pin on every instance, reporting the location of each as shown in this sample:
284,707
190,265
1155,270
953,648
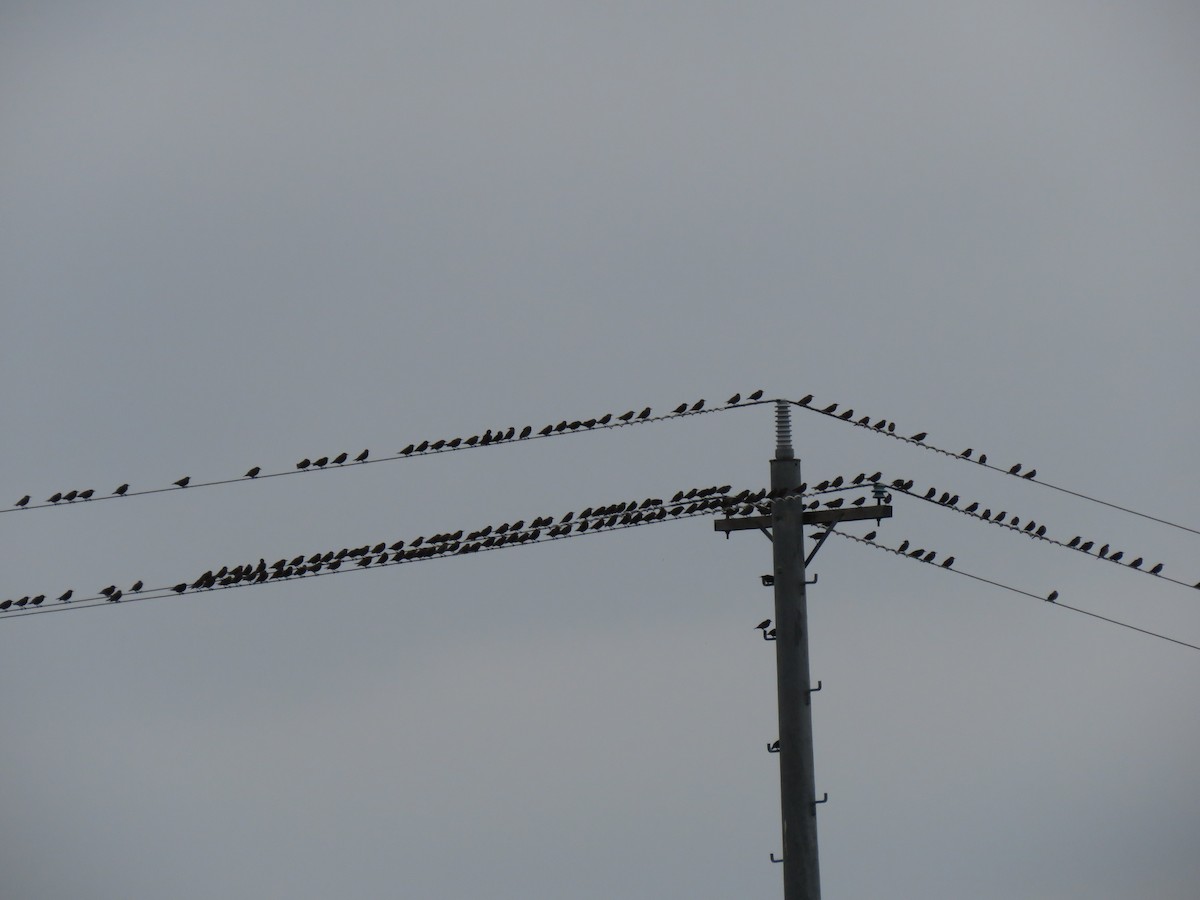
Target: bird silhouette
1041,531
526,431
322,462
1074,542
22,501
66,596
982,459
1157,570
763,625
1029,526
304,463
86,495
362,457
682,407
919,436
1015,469
929,494
757,395
70,496
137,586
407,450
183,482
837,482
806,399
966,454
1052,597
1032,473
4,605
115,597
626,416
903,547
423,446
1116,557
830,408
878,426
54,498
181,587
341,458
949,561
847,415
972,507
869,536
1136,564
1103,551
438,444
644,414
1086,546
930,555
697,406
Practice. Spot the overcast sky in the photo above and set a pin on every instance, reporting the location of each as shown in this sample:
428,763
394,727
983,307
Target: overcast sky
240,234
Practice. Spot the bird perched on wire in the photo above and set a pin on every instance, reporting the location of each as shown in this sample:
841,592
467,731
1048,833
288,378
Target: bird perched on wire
22,501
340,459
120,492
183,482
54,498
803,401
1032,473
919,436
681,408
757,395
362,457
1157,570
1015,469
253,473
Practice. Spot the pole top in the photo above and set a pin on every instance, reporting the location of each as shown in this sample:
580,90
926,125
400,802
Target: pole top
783,431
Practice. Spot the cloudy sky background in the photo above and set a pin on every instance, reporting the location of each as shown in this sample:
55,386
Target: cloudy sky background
243,234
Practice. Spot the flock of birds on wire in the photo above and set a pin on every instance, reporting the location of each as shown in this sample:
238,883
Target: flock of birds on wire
488,437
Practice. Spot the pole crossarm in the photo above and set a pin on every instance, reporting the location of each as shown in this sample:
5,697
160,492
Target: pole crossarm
810,517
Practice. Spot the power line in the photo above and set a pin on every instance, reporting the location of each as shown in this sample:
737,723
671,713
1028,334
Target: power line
486,438
888,429
1051,598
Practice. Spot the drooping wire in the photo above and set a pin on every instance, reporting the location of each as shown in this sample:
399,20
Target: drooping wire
508,435
888,429
1076,545
1051,598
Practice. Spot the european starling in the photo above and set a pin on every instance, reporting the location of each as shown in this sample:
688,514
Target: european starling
1116,557
1136,564
682,407
837,482
407,450
869,536
983,459
626,416
526,431
644,414
1052,597
604,419
423,446
471,441
438,444
903,546
966,454
1103,551
697,406
86,495
1032,473
137,586
22,501
181,587
830,408
1074,542
340,459
1086,547
120,492
1157,569
806,399
70,496
452,444
66,596
1041,531
362,457
183,482
303,464
322,462
763,625
1015,469
864,421
878,426
757,395
4,605
919,436
1029,526
54,498
859,502
948,563
972,507
115,597
37,601
930,555
930,493
847,415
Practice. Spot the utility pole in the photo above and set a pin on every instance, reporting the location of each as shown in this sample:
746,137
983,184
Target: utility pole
797,783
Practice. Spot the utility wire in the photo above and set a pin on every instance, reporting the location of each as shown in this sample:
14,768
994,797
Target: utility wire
508,435
1051,598
1076,545
888,429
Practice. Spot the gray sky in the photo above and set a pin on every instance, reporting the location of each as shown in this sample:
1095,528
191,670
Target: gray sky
242,234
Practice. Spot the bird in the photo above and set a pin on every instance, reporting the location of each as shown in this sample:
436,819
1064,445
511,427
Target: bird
878,426
929,494
919,436
625,417
1103,551
322,462
830,408
773,748
1074,542
5,604
806,399
972,507
1136,564
253,473
86,495
407,450
837,482
1029,526
757,395
1015,469
22,501
763,625
859,502
453,444
115,597
1157,569
1086,546
120,492
526,431
362,457
930,555
983,459
1053,595
966,454
108,591
54,498
1041,531
915,553
70,496
340,459
986,514
869,536
66,596
183,482
949,561
304,463
137,586
682,407
180,588
423,446
903,546
847,415
945,498
1032,473
1116,557
697,406
438,444
864,421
